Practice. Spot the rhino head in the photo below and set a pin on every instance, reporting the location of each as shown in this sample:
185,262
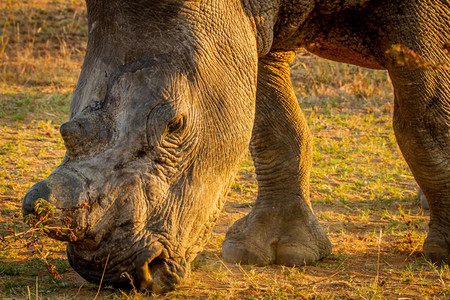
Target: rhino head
159,120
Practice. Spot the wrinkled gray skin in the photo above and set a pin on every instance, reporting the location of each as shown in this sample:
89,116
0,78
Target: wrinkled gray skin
172,92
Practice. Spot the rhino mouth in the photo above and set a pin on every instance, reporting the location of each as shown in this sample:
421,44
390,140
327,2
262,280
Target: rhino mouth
151,269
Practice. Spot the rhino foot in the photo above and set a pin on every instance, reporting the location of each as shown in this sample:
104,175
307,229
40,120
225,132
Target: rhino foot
437,247
266,237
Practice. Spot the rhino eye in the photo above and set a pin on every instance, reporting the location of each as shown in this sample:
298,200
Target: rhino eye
176,124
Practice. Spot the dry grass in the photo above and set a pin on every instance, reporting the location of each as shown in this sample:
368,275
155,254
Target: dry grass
361,186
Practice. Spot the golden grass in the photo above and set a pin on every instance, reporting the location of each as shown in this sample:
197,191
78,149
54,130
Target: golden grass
41,45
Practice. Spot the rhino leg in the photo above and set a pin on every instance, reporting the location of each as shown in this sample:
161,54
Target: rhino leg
422,128
422,109
281,228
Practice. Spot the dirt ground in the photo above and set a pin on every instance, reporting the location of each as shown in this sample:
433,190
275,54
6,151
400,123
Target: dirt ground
361,188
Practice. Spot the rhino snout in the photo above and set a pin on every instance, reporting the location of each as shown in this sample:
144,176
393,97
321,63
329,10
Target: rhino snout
65,192
148,270
38,191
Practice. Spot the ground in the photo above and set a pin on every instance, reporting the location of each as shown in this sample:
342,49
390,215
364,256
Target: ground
362,190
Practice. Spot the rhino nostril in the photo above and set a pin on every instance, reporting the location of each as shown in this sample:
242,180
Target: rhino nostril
37,191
